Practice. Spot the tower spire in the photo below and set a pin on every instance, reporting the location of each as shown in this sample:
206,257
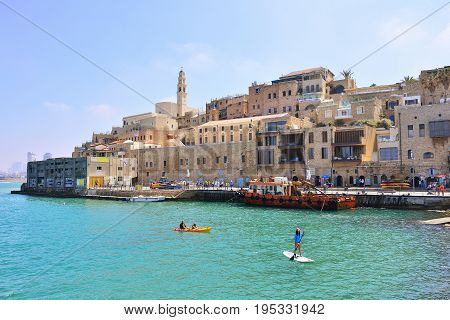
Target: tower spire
181,93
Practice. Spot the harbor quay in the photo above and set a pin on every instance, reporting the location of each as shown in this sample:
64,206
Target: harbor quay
307,125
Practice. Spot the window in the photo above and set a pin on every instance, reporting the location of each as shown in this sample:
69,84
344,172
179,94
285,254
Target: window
151,164
324,136
243,158
271,141
206,139
214,129
317,88
421,130
387,154
165,163
181,162
223,138
200,141
240,126
311,137
289,108
410,154
99,168
250,136
410,131
274,95
257,90
275,126
225,159
198,161
428,155
284,109
199,130
328,113
270,111
284,93
231,138
217,159
269,96
289,92
223,128
214,139
240,137
275,110
324,153
231,127
307,89
118,168
204,161
439,128
311,153
360,110
265,157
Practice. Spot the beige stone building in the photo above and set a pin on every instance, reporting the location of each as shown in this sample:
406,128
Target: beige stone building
230,107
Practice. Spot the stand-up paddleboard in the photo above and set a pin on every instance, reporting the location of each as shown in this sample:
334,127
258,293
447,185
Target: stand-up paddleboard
299,259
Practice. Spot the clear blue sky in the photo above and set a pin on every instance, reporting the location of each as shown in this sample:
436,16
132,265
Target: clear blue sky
51,100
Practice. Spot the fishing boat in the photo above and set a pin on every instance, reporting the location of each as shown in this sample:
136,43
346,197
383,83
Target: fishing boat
279,192
146,199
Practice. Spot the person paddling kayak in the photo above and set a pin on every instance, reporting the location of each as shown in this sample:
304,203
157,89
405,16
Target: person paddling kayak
298,242
183,225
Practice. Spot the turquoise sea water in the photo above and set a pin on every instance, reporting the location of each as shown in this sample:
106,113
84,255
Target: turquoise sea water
359,254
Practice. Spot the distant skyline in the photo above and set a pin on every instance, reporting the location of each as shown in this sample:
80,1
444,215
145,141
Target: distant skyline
52,100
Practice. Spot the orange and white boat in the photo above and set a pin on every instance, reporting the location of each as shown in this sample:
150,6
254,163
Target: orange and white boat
279,192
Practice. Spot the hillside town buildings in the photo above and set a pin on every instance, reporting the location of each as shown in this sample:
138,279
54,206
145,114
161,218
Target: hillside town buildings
308,124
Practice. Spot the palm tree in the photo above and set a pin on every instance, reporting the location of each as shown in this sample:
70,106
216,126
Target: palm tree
408,80
443,76
347,73
430,83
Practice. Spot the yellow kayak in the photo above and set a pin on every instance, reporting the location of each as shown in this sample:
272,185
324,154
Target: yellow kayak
208,229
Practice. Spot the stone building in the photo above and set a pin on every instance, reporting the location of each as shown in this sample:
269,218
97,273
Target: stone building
63,174
230,107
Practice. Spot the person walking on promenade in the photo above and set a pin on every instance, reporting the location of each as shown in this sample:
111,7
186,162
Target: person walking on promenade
442,189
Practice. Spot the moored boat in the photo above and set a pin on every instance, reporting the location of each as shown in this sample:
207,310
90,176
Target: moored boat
146,199
279,192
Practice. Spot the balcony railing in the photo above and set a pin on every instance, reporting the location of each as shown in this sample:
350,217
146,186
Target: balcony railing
293,160
347,158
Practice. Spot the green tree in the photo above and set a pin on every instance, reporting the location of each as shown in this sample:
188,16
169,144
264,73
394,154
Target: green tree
347,74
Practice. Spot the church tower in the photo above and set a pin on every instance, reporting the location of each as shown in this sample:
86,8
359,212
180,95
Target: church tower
181,94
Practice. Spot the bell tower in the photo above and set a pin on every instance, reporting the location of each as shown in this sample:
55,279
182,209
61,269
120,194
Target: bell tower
181,94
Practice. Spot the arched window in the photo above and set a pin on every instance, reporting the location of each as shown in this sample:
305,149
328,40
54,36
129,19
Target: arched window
307,89
410,154
428,155
338,89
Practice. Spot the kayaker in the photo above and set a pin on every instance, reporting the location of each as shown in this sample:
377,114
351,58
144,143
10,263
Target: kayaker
298,242
183,225
194,226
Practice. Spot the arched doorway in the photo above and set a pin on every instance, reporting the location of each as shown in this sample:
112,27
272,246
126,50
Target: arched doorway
317,181
351,181
416,182
362,181
383,178
339,181
375,180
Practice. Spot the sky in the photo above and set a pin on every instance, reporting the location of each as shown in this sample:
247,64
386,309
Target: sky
52,100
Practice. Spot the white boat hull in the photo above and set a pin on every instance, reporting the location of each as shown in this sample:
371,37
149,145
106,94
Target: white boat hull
146,199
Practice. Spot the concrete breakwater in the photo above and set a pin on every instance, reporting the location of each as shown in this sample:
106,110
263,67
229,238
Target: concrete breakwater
394,201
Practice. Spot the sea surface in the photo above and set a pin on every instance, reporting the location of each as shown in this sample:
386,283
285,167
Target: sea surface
93,249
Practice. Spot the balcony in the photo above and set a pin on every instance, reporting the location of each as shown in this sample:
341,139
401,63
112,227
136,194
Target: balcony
288,161
355,158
